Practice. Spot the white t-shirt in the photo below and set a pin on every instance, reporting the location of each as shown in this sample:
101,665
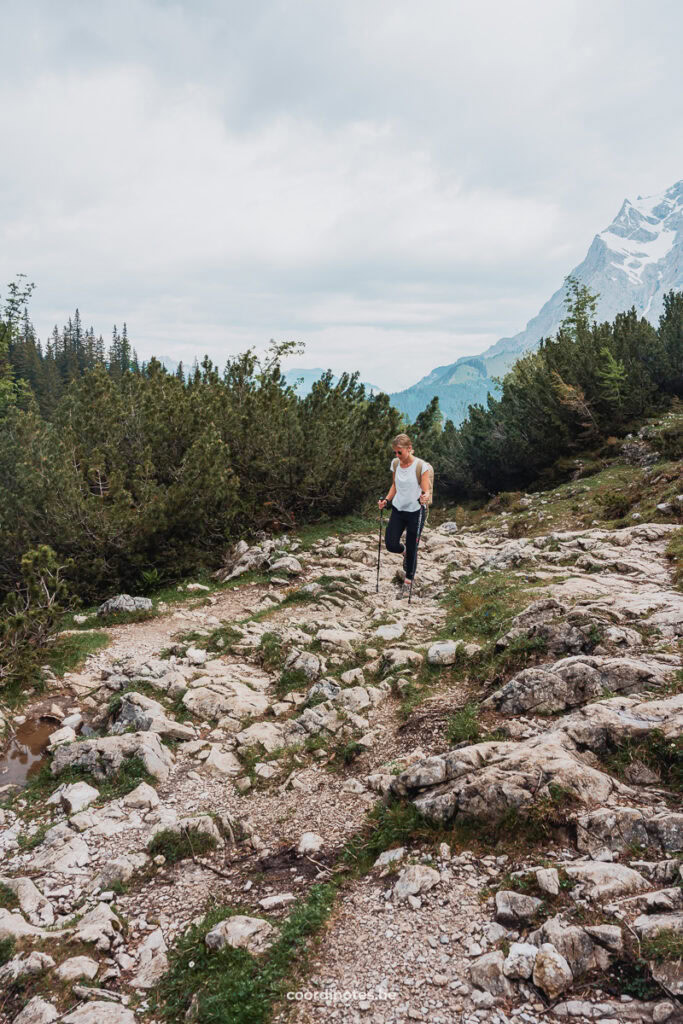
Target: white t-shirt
408,490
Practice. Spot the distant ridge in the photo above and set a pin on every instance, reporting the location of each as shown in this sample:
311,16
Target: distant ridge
302,380
633,262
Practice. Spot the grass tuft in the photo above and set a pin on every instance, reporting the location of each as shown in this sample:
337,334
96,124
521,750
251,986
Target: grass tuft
215,986
176,846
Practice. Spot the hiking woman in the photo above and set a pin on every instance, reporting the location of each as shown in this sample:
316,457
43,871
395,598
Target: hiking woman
409,494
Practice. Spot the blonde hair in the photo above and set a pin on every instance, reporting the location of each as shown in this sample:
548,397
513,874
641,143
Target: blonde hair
401,441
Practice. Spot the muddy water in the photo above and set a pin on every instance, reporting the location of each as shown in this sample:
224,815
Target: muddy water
25,752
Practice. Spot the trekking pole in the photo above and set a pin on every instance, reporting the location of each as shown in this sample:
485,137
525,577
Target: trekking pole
417,544
379,547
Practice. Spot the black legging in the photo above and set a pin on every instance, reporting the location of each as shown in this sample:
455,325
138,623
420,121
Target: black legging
412,523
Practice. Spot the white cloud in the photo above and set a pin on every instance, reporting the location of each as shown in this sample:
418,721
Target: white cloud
396,186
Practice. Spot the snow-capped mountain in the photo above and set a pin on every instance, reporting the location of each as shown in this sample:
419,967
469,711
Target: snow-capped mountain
633,262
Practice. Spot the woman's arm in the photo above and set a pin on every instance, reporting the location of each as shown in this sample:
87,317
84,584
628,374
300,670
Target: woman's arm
390,496
424,484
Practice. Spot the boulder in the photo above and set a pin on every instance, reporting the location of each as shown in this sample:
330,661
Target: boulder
13,926
339,639
415,879
196,656
77,967
151,973
573,682
354,698
33,904
100,1012
143,797
487,973
389,859
269,734
254,934
515,909
312,665
217,699
64,735
310,843
391,631
99,927
604,879
77,797
485,780
519,963
125,603
326,688
551,973
24,966
444,652
649,926
37,1011
574,943
396,658
222,762
143,714
104,757
621,828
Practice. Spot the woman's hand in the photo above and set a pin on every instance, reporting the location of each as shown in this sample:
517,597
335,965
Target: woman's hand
382,503
424,498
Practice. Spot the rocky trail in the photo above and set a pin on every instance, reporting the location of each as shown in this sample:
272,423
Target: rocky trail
486,790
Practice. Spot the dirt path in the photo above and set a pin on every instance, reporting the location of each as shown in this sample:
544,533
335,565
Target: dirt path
326,708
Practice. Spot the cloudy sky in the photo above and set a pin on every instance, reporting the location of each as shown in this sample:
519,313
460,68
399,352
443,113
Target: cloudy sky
395,184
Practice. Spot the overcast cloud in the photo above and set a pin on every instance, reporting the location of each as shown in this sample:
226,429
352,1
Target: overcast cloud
395,184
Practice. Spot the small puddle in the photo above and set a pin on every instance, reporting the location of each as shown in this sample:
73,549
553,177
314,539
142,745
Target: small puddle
26,752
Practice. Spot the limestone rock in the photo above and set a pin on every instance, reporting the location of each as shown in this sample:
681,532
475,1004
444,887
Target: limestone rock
288,564
12,926
77,797
222,762
326,688
312,665
216,699
389,859
151,973
572,682
77,967
33,904
99,927
487,973
100,1012
444,652
37,1011
105,756
310,843
144,797
519,963
252,933
144,714
415,879
551,972
548,880
514,908
267,733
125,603
391,631
22,966
649,926
605,880
619,828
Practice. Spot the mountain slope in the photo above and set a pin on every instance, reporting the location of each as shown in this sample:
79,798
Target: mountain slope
633,262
